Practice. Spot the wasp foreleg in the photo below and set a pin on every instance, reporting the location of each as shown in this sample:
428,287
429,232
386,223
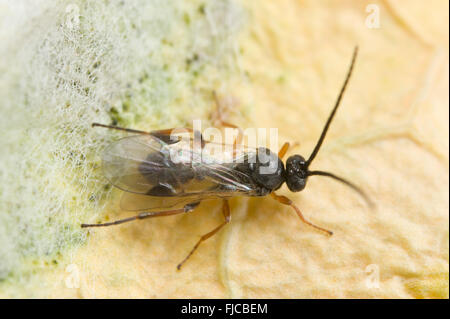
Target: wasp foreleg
283,150
286,201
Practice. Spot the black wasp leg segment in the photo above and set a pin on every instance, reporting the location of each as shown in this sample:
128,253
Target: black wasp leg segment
286,201
227,215
186,209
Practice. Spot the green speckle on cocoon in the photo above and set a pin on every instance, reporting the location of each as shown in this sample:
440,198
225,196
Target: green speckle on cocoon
146,64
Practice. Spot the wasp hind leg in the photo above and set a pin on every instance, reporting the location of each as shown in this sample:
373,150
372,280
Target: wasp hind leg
227,215
186,209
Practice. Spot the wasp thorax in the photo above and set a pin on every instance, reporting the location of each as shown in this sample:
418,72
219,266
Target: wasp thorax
266,168
296,173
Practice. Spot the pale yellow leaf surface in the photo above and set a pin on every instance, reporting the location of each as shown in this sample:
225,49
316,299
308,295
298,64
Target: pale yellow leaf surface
390,137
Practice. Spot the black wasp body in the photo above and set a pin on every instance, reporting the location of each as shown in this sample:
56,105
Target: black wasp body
264,183
163,174
243,178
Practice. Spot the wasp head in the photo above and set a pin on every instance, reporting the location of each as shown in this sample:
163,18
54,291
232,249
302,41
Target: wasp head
296,173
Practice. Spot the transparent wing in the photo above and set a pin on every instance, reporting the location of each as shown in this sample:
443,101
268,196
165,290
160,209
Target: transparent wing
155,174
123,159
139,202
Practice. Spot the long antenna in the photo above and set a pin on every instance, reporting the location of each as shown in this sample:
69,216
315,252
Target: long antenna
346,182
330,117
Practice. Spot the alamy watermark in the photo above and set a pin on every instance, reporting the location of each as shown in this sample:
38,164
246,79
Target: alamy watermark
373,276
214,146
373,17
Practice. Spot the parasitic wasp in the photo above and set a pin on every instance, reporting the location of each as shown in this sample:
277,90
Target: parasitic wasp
143,166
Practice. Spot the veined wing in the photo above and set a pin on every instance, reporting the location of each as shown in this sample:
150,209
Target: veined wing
139,202
165,175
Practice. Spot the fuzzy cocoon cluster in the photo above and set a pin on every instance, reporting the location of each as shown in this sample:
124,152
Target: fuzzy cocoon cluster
65,64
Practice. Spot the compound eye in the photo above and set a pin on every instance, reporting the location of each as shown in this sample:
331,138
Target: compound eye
296,173
301,162
296,161
296,184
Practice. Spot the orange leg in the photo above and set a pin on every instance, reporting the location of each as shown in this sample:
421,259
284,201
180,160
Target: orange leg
286,201
219,118
129,130
283,150
113,127
239,137
163,135
226,214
